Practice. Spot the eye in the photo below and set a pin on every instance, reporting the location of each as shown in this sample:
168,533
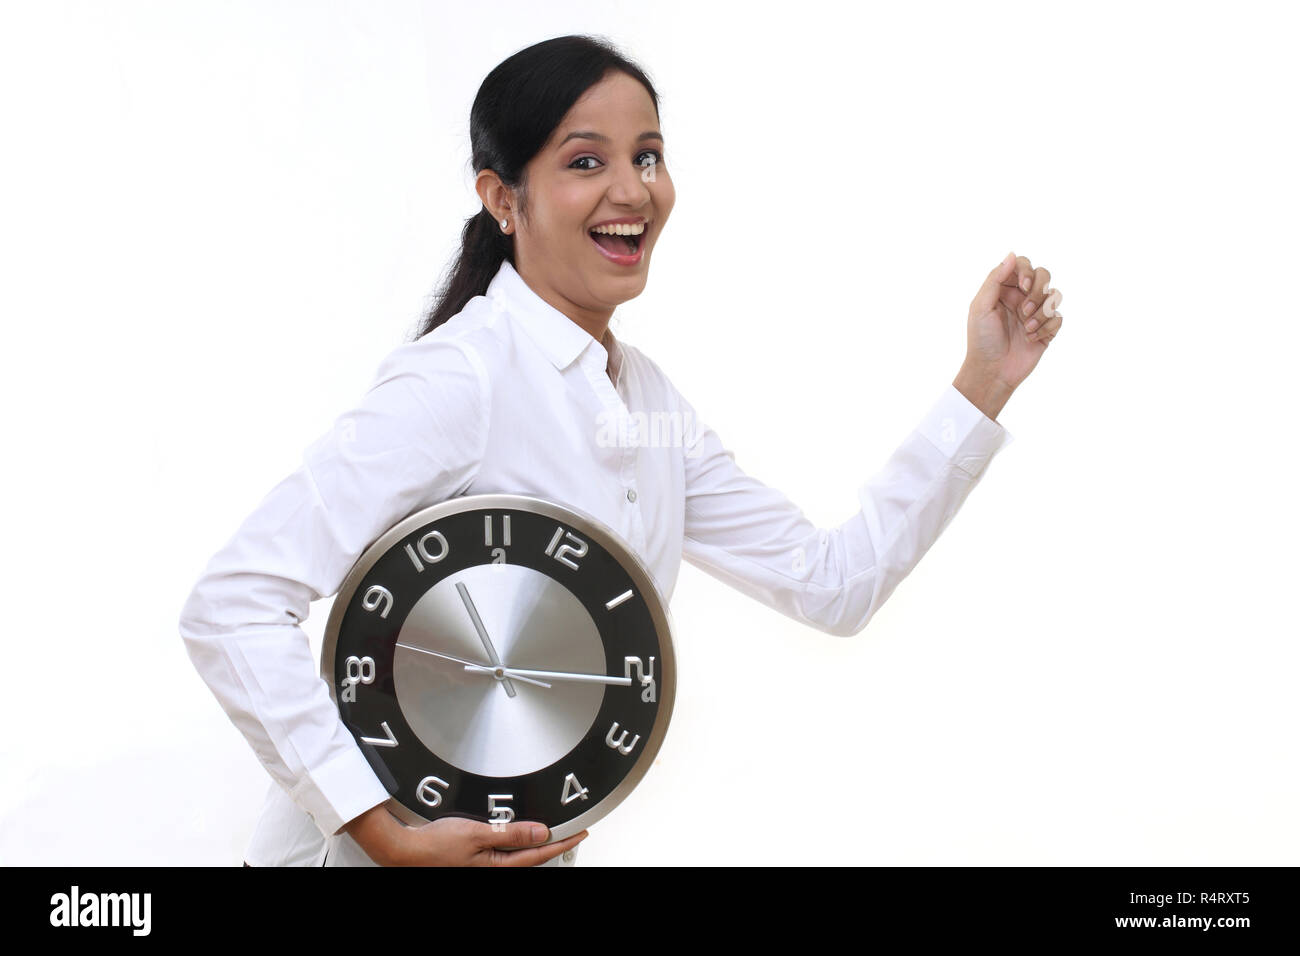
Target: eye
656,158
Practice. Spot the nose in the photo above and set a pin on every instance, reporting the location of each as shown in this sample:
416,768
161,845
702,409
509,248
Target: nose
629,187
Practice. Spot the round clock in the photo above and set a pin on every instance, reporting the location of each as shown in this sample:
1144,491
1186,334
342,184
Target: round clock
502,657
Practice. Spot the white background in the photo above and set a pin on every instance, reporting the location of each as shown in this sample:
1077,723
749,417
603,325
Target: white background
219,217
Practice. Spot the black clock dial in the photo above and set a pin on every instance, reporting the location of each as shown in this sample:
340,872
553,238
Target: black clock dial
502,658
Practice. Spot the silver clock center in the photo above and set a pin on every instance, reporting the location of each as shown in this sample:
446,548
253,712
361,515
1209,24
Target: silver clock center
452,672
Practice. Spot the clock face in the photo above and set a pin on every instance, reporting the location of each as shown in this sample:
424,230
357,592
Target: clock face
501,657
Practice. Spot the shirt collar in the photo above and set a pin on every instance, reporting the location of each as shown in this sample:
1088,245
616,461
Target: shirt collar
615,363
560,338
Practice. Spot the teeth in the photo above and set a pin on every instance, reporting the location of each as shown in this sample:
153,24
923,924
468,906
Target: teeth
621,229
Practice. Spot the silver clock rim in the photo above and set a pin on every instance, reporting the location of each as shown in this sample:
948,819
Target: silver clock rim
608,539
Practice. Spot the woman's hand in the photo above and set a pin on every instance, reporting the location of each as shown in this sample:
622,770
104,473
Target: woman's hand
1012,318
453,841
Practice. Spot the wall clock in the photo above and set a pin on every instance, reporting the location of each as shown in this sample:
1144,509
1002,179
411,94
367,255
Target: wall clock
502,657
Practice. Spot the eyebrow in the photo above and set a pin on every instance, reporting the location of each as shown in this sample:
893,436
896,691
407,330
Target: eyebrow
601,138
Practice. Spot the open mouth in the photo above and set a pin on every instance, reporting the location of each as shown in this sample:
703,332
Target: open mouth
616,245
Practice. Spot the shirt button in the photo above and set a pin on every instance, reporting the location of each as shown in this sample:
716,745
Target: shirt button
631,494
568,856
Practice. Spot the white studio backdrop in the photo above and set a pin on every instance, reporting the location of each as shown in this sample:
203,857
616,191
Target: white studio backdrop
219,217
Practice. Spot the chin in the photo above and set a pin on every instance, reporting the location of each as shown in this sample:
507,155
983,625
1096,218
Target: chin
623,288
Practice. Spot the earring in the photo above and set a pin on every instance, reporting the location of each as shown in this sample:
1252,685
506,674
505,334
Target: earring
503,225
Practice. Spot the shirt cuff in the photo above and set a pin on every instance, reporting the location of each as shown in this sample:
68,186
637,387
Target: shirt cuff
963,433
340,791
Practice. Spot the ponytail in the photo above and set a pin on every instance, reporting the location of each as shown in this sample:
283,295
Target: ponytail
483,247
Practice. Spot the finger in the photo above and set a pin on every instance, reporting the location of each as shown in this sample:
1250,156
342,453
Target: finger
1024,274
987,297
1042,279
1048,330
512,834
535,856
1012,297
1034,299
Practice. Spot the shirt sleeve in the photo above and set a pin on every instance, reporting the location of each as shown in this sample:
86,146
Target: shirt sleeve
834,579
416,438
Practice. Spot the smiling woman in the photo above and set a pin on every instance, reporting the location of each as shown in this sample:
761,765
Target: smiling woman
515,385
568,157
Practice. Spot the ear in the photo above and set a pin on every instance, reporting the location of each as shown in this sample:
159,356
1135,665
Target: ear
497,197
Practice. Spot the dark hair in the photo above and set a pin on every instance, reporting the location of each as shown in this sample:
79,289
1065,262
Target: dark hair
517,108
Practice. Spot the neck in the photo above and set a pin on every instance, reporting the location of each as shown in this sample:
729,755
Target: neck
595,322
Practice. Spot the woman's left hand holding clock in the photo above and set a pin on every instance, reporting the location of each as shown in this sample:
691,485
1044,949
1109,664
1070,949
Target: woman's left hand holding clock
454,841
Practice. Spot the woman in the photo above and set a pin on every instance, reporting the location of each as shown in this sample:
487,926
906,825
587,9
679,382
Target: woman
510,387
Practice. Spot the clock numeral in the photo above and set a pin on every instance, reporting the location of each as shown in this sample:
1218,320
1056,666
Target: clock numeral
565,550
647,679
617,743
505,530
388,741
375,596
500,815
498,555
422,547
360,670
615,602
573,790
427,790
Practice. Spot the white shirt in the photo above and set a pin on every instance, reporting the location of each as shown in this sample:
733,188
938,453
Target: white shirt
511,396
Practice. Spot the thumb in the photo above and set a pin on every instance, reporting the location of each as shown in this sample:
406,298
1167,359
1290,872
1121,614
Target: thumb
516,834
987,297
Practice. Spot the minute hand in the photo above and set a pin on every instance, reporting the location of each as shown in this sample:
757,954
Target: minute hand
553,675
